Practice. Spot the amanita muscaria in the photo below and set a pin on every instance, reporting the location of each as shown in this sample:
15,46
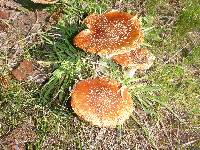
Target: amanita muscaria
141,59
101,101
110,33
117,35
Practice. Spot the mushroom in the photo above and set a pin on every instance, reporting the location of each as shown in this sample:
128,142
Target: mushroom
110,33
101,101
45,1
141,59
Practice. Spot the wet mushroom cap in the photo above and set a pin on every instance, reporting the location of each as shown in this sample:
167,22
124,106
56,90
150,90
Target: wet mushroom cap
101,101
140,59
110,33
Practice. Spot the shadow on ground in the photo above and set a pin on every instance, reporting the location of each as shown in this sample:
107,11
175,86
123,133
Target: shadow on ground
28,4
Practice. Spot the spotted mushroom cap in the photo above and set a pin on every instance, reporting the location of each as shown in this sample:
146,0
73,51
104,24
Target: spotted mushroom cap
141,59
101,101
110,33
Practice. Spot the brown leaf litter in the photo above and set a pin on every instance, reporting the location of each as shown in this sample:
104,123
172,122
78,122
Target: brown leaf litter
17,138
29,70
4,81
24,70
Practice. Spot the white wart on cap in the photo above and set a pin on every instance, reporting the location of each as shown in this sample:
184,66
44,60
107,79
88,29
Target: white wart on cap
110,33
102,102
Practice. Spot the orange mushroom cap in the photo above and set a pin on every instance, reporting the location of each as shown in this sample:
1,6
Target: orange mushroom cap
140,59
101,101
110,33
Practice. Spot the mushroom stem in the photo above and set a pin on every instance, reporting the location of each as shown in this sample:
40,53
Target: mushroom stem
131,72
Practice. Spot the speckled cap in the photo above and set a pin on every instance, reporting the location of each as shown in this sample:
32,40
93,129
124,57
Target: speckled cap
101,101
141,59
110,33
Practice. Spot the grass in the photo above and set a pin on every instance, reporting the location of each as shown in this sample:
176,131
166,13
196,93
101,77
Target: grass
166,97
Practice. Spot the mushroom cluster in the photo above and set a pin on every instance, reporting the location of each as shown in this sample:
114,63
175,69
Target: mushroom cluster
116,35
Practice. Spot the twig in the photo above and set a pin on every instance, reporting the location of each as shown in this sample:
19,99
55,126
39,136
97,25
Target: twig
189,143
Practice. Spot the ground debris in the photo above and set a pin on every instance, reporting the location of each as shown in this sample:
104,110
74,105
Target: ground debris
138,5
17,138
29,70
4,81
3,26
19,26
24,70
4,14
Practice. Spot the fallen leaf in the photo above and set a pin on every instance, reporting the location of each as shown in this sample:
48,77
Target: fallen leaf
4,14
24,70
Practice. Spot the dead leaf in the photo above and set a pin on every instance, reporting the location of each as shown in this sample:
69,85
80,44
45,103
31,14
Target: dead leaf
4,14
24,70
45,1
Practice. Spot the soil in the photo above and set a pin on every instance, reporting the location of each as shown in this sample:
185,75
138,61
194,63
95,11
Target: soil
21,26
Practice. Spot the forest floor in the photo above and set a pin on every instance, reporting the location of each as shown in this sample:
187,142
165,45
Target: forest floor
39,66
